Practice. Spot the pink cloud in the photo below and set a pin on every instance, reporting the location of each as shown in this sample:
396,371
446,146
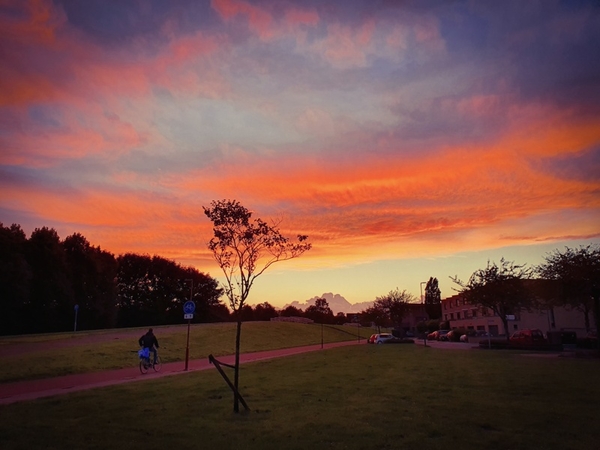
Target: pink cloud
259,20
346,46
295,17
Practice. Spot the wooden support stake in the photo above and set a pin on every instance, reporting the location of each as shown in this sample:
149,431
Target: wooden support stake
218,364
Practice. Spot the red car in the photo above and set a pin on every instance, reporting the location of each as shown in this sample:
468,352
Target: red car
533,336
438,335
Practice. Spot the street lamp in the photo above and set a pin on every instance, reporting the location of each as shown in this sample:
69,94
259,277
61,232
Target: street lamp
425,334
187,345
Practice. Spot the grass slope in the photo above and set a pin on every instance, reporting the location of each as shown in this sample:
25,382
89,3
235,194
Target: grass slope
363,397
68,353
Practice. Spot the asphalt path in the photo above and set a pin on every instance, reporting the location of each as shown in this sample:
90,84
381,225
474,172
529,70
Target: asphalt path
33,389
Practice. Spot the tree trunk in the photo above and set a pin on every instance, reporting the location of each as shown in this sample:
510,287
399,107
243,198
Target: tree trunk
236,402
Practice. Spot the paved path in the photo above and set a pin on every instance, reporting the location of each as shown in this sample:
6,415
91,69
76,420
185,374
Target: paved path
32,389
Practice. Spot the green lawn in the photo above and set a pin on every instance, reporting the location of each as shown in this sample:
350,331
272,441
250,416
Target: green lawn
82,356
360,397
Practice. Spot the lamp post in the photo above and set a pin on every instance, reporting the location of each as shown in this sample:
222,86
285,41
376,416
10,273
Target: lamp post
424,334
187,345
321,332
76,310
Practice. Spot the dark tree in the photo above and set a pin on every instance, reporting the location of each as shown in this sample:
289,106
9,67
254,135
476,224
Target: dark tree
244,249
264,311
500,288
291,311
340,318
395,305
152,291
320,312
51,302
577,272
433,299
376,315
389,309
92,274
15,280
247,313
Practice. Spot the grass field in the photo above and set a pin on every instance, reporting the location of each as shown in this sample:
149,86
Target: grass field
361,397
68,353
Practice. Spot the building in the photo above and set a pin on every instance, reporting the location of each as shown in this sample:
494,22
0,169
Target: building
416,313
460,314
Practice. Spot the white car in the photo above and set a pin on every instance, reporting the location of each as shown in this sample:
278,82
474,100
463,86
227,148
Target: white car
382,338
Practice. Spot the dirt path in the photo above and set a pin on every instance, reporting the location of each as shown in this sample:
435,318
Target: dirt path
33,389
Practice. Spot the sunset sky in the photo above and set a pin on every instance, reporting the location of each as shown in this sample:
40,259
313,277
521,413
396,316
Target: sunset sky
408,139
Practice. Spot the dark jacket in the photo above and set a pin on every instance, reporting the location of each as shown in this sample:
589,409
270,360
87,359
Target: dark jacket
148,340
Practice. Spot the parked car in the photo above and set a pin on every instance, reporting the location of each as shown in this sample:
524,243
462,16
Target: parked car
443,335
454,335
381,338
528,336
438,335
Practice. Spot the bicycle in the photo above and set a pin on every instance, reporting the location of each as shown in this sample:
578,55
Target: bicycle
146,363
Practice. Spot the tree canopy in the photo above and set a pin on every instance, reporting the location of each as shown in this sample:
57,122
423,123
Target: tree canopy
43,280
390,309
433,299
500,288
577,271
320,312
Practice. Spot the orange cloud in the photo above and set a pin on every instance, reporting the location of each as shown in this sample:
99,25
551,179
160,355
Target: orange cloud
389,199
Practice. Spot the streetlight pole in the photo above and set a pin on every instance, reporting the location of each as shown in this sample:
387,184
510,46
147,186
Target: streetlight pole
187,345
424,334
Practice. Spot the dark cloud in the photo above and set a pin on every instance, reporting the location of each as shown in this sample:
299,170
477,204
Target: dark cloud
583,166
115,22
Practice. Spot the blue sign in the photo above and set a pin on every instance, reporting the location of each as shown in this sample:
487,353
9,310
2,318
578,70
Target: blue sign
189,307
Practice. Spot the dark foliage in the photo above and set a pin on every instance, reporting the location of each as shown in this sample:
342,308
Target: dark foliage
43,280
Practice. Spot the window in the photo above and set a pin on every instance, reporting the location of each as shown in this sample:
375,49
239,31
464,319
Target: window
451,316
474,313
458,316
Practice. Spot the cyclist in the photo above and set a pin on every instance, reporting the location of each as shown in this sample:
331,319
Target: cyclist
150,342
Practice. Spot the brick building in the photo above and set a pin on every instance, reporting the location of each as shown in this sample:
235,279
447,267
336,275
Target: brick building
461,314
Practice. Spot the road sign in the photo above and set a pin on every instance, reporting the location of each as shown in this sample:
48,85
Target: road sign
189,307
188,316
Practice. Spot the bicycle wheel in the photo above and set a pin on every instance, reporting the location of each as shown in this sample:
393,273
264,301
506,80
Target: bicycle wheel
143,366
157,365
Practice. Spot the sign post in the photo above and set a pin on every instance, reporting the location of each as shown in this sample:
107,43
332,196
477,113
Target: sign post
76,309
188,314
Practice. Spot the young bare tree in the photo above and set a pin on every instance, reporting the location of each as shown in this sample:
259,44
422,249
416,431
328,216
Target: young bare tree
244,249
499,288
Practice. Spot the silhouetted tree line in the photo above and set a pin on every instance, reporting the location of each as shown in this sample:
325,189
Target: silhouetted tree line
320,312
42,279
